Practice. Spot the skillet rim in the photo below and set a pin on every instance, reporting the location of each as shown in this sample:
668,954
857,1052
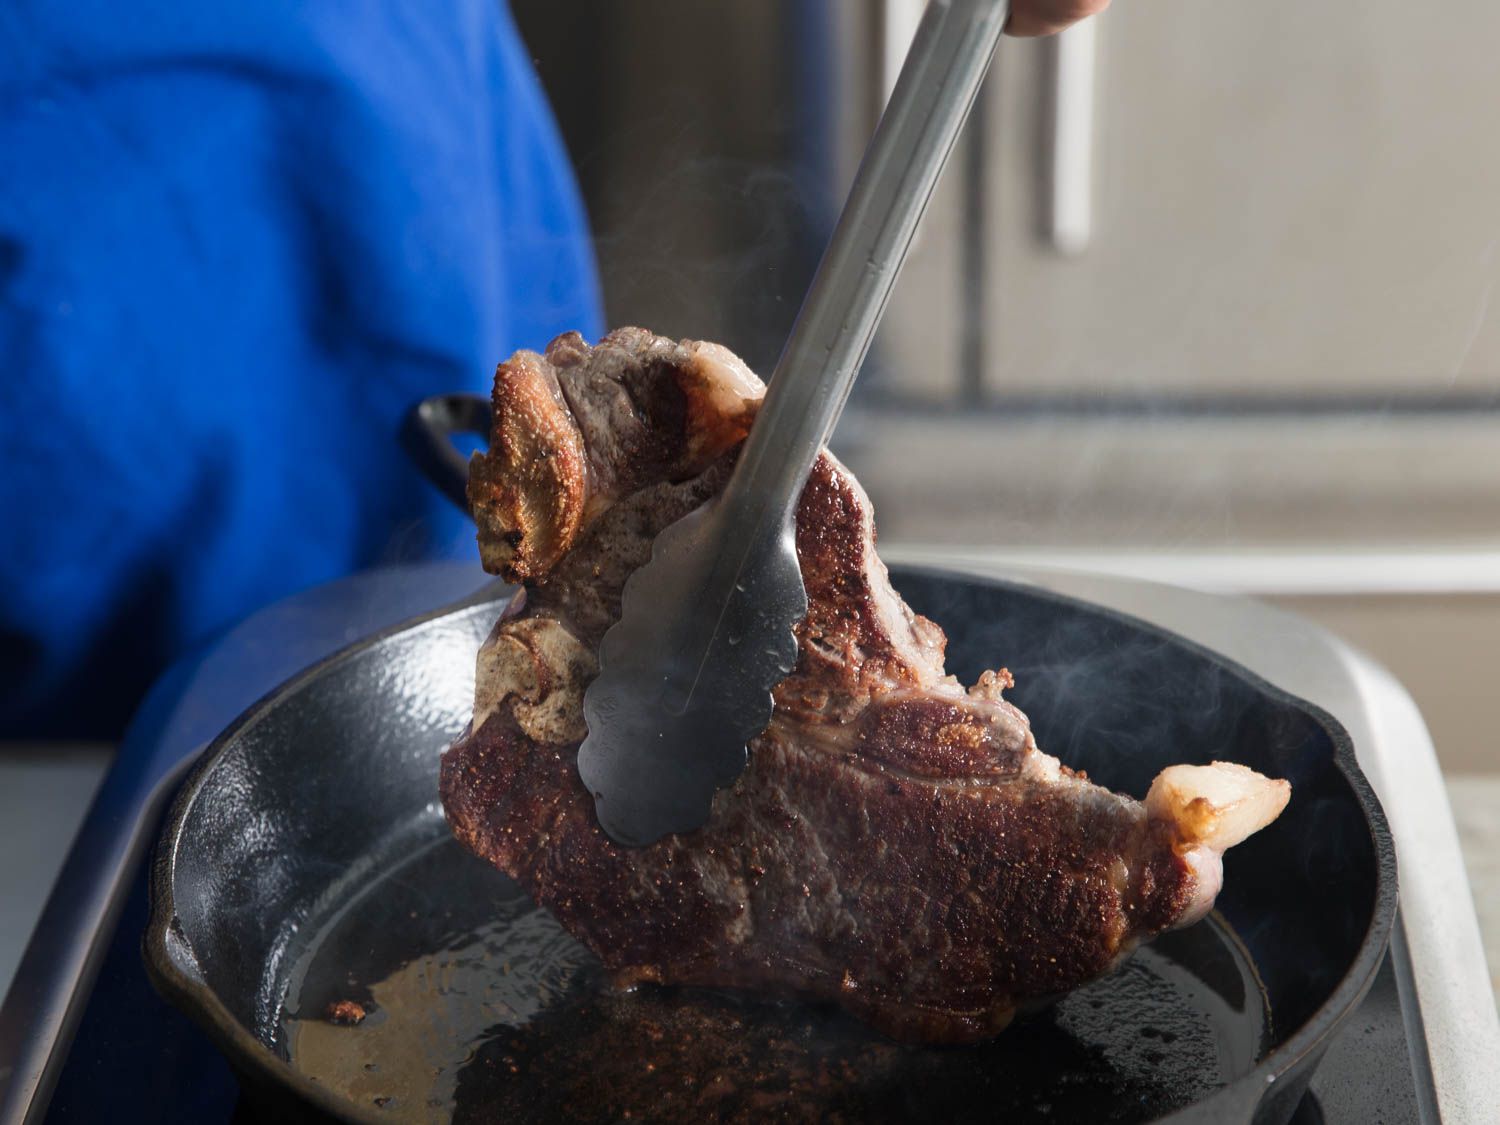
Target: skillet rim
247,1053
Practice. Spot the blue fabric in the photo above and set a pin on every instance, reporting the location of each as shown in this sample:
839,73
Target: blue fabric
237,241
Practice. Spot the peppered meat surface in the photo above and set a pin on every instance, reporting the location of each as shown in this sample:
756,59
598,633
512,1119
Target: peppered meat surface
898,844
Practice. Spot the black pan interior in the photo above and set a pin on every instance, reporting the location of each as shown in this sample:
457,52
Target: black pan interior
307,863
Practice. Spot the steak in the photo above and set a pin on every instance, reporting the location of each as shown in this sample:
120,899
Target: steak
897,844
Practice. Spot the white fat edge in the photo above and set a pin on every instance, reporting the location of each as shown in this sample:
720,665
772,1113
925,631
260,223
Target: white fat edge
1218,805
729,381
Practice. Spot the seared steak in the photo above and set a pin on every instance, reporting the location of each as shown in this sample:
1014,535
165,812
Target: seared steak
898,844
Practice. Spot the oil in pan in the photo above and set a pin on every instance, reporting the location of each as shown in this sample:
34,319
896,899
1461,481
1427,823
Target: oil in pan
474,1006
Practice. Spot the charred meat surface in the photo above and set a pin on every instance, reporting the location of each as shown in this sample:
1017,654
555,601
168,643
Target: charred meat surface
898,844
346,1013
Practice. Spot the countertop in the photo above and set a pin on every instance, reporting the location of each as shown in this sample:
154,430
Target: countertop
44,793
1476,811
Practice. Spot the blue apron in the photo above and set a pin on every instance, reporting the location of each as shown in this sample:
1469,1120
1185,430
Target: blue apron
236,242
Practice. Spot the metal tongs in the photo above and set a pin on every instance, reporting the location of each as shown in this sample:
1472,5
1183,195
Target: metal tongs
705,629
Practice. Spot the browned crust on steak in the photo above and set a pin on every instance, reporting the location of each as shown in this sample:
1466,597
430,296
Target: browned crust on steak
578,427
897,844
527,493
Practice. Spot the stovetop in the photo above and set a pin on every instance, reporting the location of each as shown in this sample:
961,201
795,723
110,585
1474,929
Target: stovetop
1416,1050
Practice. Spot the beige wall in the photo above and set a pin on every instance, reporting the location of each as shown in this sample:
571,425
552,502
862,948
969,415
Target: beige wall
1443,648
1310,212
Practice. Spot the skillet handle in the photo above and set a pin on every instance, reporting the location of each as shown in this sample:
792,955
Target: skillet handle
427,434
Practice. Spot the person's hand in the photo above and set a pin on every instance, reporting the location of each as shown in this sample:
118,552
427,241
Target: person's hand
1047,17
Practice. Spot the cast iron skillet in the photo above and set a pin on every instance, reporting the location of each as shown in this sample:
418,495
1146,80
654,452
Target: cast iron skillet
307,862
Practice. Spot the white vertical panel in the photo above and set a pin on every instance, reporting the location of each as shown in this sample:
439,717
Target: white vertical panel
1070,155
